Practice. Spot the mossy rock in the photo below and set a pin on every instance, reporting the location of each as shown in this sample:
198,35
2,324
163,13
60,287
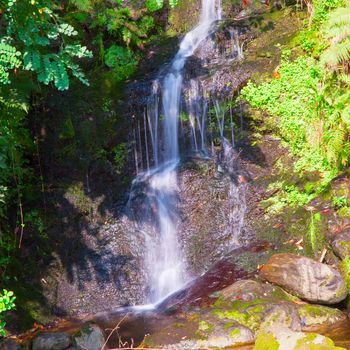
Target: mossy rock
312,315
286,340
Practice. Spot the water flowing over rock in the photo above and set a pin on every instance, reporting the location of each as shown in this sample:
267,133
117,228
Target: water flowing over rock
155,204
305,278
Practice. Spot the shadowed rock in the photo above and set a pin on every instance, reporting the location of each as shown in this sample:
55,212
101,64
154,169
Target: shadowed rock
51,341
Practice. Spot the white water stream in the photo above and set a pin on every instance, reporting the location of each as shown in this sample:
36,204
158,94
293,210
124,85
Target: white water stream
164,260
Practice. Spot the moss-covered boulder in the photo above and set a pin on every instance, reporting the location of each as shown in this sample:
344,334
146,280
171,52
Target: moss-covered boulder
284,339
313,315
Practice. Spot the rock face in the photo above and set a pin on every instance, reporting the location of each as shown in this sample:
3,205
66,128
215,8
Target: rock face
9,344
306,278
341,245
51,341
89,338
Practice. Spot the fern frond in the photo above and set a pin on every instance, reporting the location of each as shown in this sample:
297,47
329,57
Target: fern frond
336,54
345,78
82,5
338,18
334,148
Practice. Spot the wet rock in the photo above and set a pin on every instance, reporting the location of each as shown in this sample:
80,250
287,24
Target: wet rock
230,337
249,290
9,344
341,245
282,315
201,330
305,278
284,339
313,315
51,341
90,337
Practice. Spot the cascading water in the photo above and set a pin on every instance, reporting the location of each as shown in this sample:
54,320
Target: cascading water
158,219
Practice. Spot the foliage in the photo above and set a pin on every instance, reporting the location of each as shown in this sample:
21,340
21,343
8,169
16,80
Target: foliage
120,156
339,202
36,39
6,303
287,196
121,60
337,32
345,269
312,115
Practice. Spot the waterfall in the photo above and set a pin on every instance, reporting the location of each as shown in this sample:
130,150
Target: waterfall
156,215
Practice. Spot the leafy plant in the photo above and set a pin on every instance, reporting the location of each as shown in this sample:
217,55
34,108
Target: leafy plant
6,303
35,38
339,202
120,156
337,31
121,60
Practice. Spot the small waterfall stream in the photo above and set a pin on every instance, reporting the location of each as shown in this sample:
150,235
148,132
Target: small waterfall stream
156,214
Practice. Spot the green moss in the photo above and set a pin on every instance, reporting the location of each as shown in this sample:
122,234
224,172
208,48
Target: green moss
345,269
266,341
345,245
204,330
344,212
246,313
182,18
310,342
235,333
313,315
205,326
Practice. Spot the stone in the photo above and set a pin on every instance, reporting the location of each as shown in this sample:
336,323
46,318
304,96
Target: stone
9,344
341,245
305,278
249,290
283,315
284,339
313,315
51,341
89,337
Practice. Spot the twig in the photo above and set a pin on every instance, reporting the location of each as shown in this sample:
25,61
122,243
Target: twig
113,330
323,254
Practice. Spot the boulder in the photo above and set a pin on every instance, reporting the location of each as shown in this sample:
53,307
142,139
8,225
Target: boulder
284,339
249,290
314,315
341,245
283,315
89,337
9,344
51,341
305,278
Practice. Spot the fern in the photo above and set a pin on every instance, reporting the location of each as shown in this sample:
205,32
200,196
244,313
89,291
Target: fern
335,146
337,31
82,5
336,54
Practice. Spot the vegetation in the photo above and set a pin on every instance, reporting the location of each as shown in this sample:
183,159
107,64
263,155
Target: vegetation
48,46
310,94
6,303
45,45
